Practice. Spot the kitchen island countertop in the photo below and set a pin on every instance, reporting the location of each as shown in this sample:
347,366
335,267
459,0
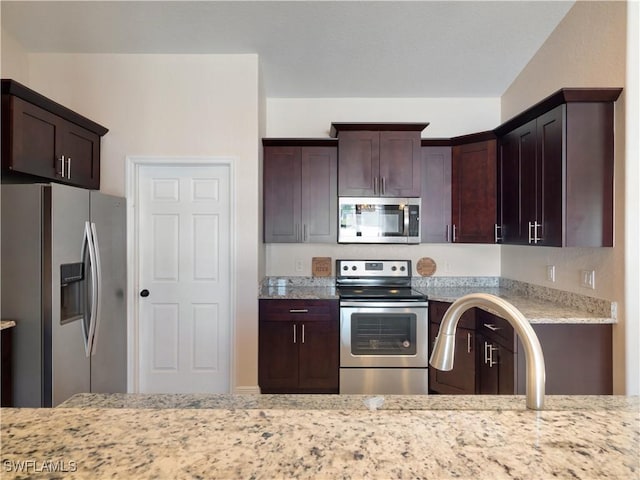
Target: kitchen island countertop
316,436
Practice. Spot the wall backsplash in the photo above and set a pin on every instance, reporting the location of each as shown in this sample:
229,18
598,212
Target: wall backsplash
293,259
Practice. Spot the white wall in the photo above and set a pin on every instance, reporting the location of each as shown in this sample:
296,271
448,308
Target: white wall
175,105
448,117
14,62
451,260
587,49
631,327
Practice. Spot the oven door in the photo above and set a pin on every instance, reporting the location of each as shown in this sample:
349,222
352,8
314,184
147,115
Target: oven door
384,334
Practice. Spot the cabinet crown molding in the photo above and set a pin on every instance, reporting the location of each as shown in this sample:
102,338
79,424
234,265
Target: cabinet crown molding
337,127
11,87
562,96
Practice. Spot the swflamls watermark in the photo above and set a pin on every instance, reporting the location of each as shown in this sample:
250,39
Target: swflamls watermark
40,466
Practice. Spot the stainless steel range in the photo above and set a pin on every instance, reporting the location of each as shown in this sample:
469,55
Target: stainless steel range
383,328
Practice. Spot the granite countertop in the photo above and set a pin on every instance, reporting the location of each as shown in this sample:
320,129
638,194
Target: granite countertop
537,304
6,324
317,436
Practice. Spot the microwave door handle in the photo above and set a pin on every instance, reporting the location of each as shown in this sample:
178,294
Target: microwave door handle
406,220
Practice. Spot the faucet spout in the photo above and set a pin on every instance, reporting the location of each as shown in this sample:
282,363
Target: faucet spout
444,347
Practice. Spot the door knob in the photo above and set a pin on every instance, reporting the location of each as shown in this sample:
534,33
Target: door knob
144,293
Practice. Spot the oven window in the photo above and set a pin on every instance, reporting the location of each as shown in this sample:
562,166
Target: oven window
383,334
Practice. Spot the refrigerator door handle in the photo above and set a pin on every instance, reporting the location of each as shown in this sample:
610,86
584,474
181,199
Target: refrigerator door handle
88,247
98,282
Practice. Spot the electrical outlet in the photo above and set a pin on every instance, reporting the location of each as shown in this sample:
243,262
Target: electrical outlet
299,265
588,279
551,273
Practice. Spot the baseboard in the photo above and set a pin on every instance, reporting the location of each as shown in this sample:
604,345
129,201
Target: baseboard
247,390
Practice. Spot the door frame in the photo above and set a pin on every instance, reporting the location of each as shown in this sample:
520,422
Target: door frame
133,164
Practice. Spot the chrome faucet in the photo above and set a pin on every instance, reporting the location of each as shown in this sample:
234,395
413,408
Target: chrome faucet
444,347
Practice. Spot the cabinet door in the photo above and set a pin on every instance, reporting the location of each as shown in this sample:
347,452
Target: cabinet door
519,177
319,356
81,151
319,209
474,192
281,190
435,211
462,378
487,366
277,356
496,358
400,162
358,163
34,138
550,160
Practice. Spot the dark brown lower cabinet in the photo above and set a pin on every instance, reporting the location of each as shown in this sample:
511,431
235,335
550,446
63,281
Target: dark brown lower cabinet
578,357
298,346
495,346
462,379
6,378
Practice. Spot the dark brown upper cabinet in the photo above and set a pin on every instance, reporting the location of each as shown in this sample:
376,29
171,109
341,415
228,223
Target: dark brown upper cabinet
43,140
300,191
473,192
556,163
435,210
379,160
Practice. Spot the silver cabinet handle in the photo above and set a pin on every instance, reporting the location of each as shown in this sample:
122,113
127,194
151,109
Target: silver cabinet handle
491,327
303,333
533,237
294,334
468,342
382,187
497,228
447,235
304,232
69,168
488,354
454,233
298,310
62,165
376,185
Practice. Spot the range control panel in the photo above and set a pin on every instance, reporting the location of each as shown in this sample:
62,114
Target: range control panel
373,268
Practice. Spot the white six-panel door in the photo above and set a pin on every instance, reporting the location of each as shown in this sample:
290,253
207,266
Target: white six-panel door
184,264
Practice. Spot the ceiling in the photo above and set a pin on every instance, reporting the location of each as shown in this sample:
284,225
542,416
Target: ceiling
313,48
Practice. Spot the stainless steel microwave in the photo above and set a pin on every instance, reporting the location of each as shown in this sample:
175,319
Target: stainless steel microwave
379,220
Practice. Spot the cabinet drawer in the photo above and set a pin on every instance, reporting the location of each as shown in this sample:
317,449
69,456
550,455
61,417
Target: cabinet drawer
495,328
307,310
438,309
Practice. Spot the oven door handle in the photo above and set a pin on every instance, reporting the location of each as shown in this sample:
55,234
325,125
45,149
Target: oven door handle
383,304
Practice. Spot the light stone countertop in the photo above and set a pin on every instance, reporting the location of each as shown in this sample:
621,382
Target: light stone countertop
465,437
6,324
538,304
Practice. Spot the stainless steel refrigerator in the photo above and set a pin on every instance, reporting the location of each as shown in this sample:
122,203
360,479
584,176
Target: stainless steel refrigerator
64,283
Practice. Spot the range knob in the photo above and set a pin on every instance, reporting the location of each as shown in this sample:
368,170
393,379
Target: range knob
354,268
345,267
394,268
402,269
